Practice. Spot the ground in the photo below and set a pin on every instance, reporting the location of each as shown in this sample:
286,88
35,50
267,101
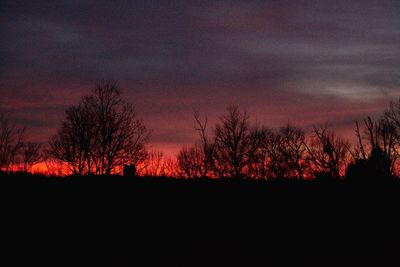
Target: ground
117,221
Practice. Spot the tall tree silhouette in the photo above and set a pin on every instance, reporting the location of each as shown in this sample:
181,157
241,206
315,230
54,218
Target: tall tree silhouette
292,152
328,153
120,135
231,144
380,134
11,141
258,153
31,154
392,117
376,154
74,143
101,133
196,161
206,146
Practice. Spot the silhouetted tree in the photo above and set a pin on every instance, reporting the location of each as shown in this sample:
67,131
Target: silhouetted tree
74,142
279,154
100,134
392,117
231,144
121,136
377,167
152,165
196,161
191,161
31,155
258,153
206,145
393,114
11,140
292,152
328,154
171,168
379,135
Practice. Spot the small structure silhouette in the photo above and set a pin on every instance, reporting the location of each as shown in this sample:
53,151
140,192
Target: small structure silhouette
129,170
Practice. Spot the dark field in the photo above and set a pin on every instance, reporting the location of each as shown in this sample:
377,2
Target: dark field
119,221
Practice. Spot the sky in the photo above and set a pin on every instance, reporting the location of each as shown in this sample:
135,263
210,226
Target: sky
303,62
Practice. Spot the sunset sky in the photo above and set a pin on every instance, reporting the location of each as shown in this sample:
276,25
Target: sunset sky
305,62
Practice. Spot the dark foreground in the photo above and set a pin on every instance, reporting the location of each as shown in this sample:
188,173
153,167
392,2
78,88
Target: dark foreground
117,221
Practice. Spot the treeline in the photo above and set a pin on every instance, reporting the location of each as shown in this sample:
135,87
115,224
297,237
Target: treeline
102,133
15,150
98,135
236,148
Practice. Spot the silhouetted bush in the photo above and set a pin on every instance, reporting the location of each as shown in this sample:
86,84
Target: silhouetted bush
376,168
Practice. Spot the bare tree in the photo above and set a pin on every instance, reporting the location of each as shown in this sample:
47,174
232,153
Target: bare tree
196,161
206,145
11,138
392,118
120,135
277,154
258,153
171,168
328,153
237,150
392,114
231,144
101,134
378,135
31,155
153,165
292,152
191,161
75,140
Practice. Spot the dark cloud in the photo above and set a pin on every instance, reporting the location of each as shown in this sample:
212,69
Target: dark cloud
300,61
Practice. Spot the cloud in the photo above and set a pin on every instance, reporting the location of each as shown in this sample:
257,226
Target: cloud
303,61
